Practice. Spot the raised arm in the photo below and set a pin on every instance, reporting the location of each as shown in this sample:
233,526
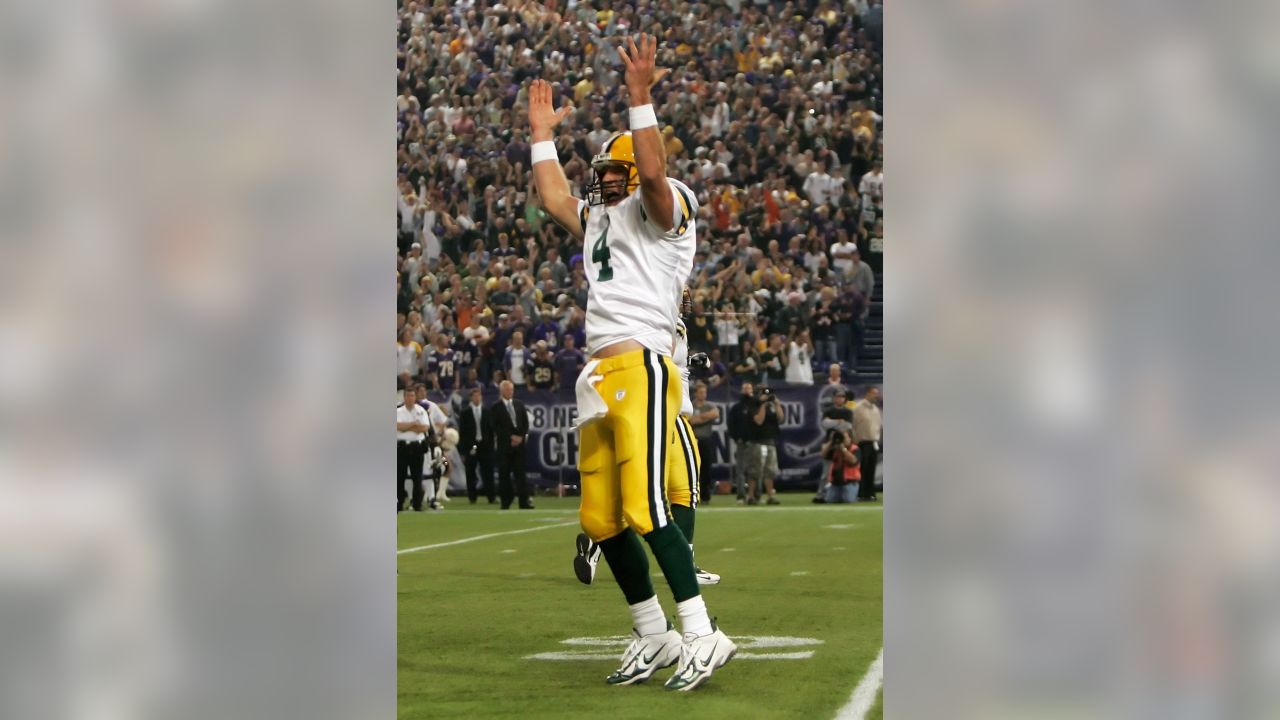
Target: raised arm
548,176
651,154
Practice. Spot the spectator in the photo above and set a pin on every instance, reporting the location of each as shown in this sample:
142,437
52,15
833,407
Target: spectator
417,327
504,300
864,278
705,416
516,360
739,418
542,367
569,363
701,330
728,330
793,317
871,189
848,308
799,357
675,147
547,330
465,350
408,357
842,257
867,433
559,271
476,446
414,264
864,283
598,135
773,361
441,365
823,321
510,422
820,187
833,374
718,373
748,366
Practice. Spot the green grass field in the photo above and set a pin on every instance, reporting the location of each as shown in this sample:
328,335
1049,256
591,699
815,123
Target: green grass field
472,614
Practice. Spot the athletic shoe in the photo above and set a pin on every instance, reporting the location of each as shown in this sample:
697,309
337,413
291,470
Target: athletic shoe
773,501
646,655
584,565
706,578
699,657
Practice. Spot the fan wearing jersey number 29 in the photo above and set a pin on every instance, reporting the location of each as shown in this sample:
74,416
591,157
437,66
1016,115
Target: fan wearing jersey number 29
637,228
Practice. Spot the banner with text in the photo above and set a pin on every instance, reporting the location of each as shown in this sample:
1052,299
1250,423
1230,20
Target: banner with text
553,444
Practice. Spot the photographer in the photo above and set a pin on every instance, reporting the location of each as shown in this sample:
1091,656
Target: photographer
739,420
842,452
838,417
761,460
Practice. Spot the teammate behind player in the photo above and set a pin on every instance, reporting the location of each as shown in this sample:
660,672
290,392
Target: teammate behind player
629,394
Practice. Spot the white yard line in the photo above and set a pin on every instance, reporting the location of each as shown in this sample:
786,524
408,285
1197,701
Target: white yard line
484,537
734,508
864,695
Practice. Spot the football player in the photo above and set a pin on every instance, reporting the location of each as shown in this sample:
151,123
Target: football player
682,470
637,227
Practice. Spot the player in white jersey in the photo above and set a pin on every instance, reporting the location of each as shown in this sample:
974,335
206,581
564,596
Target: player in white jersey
637,227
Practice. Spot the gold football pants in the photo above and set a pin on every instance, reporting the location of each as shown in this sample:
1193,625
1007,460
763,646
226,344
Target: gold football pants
683,464
624,457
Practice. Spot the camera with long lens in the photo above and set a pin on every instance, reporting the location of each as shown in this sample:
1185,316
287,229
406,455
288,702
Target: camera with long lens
764,395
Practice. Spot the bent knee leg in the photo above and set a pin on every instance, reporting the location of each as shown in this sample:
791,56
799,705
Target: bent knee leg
599,522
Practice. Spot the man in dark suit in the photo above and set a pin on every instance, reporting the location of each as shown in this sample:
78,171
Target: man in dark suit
510,423
476,446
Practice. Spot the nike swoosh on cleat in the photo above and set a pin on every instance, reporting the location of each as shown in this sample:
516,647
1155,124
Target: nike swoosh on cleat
705,665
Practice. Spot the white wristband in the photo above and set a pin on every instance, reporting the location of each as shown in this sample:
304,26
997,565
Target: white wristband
642,117
544,150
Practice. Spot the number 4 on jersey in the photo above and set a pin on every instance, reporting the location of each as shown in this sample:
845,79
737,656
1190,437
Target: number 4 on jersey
600,256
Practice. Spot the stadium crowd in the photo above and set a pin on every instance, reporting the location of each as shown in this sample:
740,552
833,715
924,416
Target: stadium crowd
771,114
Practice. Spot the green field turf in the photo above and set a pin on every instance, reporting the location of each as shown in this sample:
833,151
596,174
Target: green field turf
471,613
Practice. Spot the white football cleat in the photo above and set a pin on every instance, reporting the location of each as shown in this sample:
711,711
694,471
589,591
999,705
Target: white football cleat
706,578
701,655
646,655
584,565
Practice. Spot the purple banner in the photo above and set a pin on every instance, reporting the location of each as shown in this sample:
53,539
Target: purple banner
553,444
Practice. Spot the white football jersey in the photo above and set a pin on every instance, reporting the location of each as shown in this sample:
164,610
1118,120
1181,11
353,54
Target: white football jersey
680,356
635,271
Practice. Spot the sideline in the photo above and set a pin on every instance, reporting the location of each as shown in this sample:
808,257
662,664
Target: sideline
864,695
484,537
735,508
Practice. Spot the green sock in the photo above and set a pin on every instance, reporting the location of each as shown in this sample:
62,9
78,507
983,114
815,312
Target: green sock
630,565
676,560
683,515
